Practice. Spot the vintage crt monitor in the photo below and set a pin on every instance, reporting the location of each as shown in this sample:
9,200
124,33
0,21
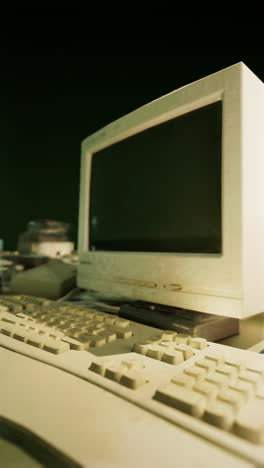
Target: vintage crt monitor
171,201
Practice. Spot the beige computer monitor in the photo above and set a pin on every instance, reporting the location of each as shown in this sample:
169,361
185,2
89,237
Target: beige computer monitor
230,282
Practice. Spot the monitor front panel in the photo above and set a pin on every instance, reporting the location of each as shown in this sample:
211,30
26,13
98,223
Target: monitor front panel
160,202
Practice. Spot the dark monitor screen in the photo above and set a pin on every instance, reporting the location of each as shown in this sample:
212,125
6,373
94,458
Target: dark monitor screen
160,190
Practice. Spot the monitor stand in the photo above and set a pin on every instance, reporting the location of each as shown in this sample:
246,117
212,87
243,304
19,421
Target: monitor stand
209,326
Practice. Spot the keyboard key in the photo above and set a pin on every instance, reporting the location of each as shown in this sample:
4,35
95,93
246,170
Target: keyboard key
55,322
122,323
51,322
231,397
80,323
98,331
260,394
243,388
215,358
99,366
141,347
250,423
56,346
256,370
206,364
29,306
93,325
167,344
44,319
38,314
108,335
155,352
74,344
171,356
209,391
55,334
99,317
198,343
182,338
155,339
66,325
183,399
97,341
228,371
253,378
196,372
7,329
122,332
25,317
217,379
37,340
32,328
22,334
219,414
168,335
74,332
186,350
110,320
114,372
183,380
85,339
238,365
11,320
132,379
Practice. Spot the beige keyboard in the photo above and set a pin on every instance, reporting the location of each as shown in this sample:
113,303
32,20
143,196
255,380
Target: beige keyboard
211,390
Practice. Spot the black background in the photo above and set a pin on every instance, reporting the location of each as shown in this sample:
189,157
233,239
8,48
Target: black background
66,73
